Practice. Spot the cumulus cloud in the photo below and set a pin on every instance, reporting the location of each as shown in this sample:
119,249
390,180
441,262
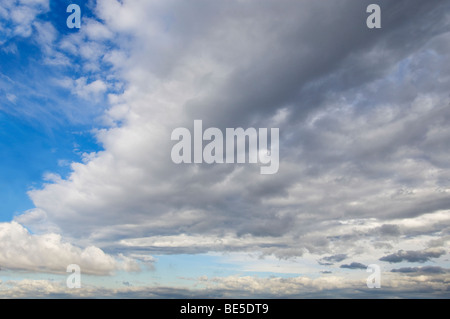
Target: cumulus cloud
420,256
21,250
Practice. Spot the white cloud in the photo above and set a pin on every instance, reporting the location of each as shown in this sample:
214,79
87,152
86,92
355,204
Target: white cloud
96,30
280,286
21,250
93,90
20,16
42,288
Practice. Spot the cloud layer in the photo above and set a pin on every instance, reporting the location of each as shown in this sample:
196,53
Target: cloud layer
432,284
363,131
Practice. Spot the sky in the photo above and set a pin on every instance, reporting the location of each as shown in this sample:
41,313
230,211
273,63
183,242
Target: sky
87,178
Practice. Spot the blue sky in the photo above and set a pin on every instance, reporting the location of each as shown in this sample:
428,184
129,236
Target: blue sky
43,127
86,175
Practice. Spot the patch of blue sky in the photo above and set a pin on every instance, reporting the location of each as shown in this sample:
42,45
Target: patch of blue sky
58,13
176,271
28,152
43,125
186,270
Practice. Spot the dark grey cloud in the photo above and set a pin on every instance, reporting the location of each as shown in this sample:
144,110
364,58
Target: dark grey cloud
420,256
330,260
354,265
422,270
307,66
388,230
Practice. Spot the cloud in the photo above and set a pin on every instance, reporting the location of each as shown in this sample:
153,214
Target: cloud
326,160
93,90
16,17
218,287
21,250
330,260
421,270
96,30
46,38
354,265
363,122
327,286
389,230
420,256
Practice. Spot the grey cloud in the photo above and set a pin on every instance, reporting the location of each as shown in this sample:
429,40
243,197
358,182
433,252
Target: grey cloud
335,258
439,242
330,260
382,245
389,230
324,263
337,56
363,136
420,256
354,265
422,270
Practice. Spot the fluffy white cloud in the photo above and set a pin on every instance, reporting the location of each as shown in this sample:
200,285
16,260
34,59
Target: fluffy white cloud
21,250
96,30
93,90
